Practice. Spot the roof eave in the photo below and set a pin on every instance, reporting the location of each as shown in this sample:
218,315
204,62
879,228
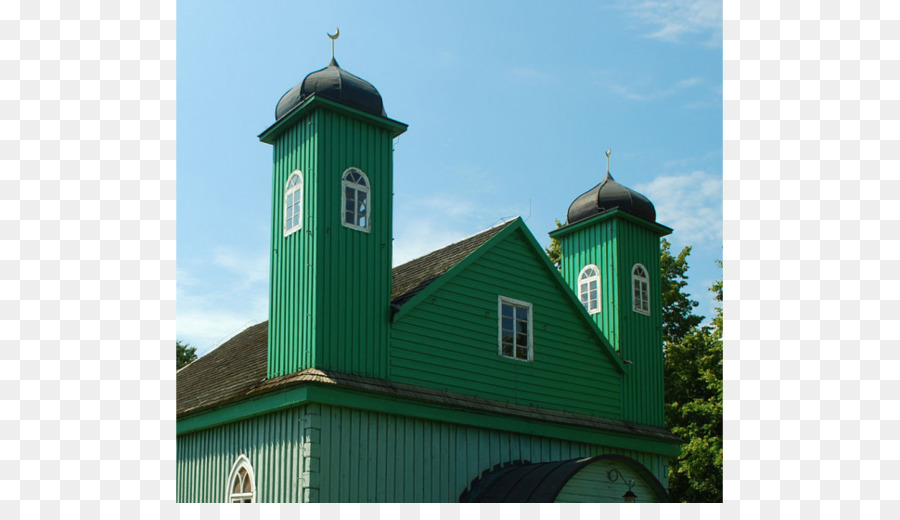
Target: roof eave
269,135
659,229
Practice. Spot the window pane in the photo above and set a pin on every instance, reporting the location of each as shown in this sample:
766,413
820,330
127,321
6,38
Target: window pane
593,305
507,346
247,485
593,285
522,352
350,193
237,484
507,323
521,313
349,218
522,339
507,310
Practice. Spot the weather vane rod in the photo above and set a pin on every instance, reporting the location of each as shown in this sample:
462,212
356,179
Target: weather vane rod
608,153
333,37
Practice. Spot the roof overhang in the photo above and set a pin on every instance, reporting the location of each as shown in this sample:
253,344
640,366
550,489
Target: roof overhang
270,135
659,229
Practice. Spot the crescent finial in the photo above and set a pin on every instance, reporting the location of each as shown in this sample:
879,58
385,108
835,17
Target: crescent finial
337,32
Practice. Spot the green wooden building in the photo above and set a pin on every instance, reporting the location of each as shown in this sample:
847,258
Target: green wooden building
476,373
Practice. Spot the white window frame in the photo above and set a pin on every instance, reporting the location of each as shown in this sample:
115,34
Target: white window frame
241,462
295,191
501,300
368,191
582,292
643,283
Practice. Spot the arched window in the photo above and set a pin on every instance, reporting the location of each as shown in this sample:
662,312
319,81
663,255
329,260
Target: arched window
589,288
293,203
241,482
640,283
355,200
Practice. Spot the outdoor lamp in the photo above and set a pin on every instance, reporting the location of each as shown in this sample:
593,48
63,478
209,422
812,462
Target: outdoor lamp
613,475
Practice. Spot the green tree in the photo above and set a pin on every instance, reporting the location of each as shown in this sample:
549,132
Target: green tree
554,251
184,354
693,386
677,306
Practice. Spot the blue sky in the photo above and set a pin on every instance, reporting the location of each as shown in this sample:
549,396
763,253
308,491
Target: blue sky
510,108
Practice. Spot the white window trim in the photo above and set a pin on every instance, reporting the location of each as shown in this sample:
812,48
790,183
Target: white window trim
643,279
599,294
241,462
511,301
296,189
368,190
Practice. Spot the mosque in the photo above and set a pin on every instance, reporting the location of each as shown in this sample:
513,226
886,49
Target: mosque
477,373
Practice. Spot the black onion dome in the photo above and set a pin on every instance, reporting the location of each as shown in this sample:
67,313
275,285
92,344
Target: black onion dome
336,84
609,195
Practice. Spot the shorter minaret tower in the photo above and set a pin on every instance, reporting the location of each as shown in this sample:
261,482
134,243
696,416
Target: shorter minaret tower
610,258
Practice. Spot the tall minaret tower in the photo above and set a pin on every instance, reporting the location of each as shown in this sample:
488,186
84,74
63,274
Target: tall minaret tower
332,187
610,259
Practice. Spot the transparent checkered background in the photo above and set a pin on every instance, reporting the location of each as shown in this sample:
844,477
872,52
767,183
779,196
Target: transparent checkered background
87,269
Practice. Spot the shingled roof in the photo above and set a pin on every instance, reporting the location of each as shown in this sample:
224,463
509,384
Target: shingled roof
415,275
238,367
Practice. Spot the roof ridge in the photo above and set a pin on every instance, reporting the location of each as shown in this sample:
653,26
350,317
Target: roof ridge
500,225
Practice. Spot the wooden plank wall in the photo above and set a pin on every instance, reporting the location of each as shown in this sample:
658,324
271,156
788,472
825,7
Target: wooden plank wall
374,457
273,443
450,341
334,454
293,260
641,335
592,484
330,285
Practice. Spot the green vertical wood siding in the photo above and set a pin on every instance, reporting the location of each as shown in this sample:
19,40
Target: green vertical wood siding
316,452
274,444
375,457
330,285
641,335
615,245
592,484
449,341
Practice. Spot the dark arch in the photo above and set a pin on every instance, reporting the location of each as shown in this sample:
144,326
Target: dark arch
523,481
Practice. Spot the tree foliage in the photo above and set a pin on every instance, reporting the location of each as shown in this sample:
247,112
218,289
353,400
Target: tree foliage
677,306
693,387
554,251
184,354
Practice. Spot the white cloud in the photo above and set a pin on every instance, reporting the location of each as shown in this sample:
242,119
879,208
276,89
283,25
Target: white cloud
249,268
634,94
672,20
690,203
421,237
232,294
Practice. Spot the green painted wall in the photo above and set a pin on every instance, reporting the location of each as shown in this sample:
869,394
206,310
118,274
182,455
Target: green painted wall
615,244
324,453
330,285
274,443
592,484
375,457
449,341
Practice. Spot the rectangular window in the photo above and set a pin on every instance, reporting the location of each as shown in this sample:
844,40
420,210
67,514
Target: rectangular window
515,329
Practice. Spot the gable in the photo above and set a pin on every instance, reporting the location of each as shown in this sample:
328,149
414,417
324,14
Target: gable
446,337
